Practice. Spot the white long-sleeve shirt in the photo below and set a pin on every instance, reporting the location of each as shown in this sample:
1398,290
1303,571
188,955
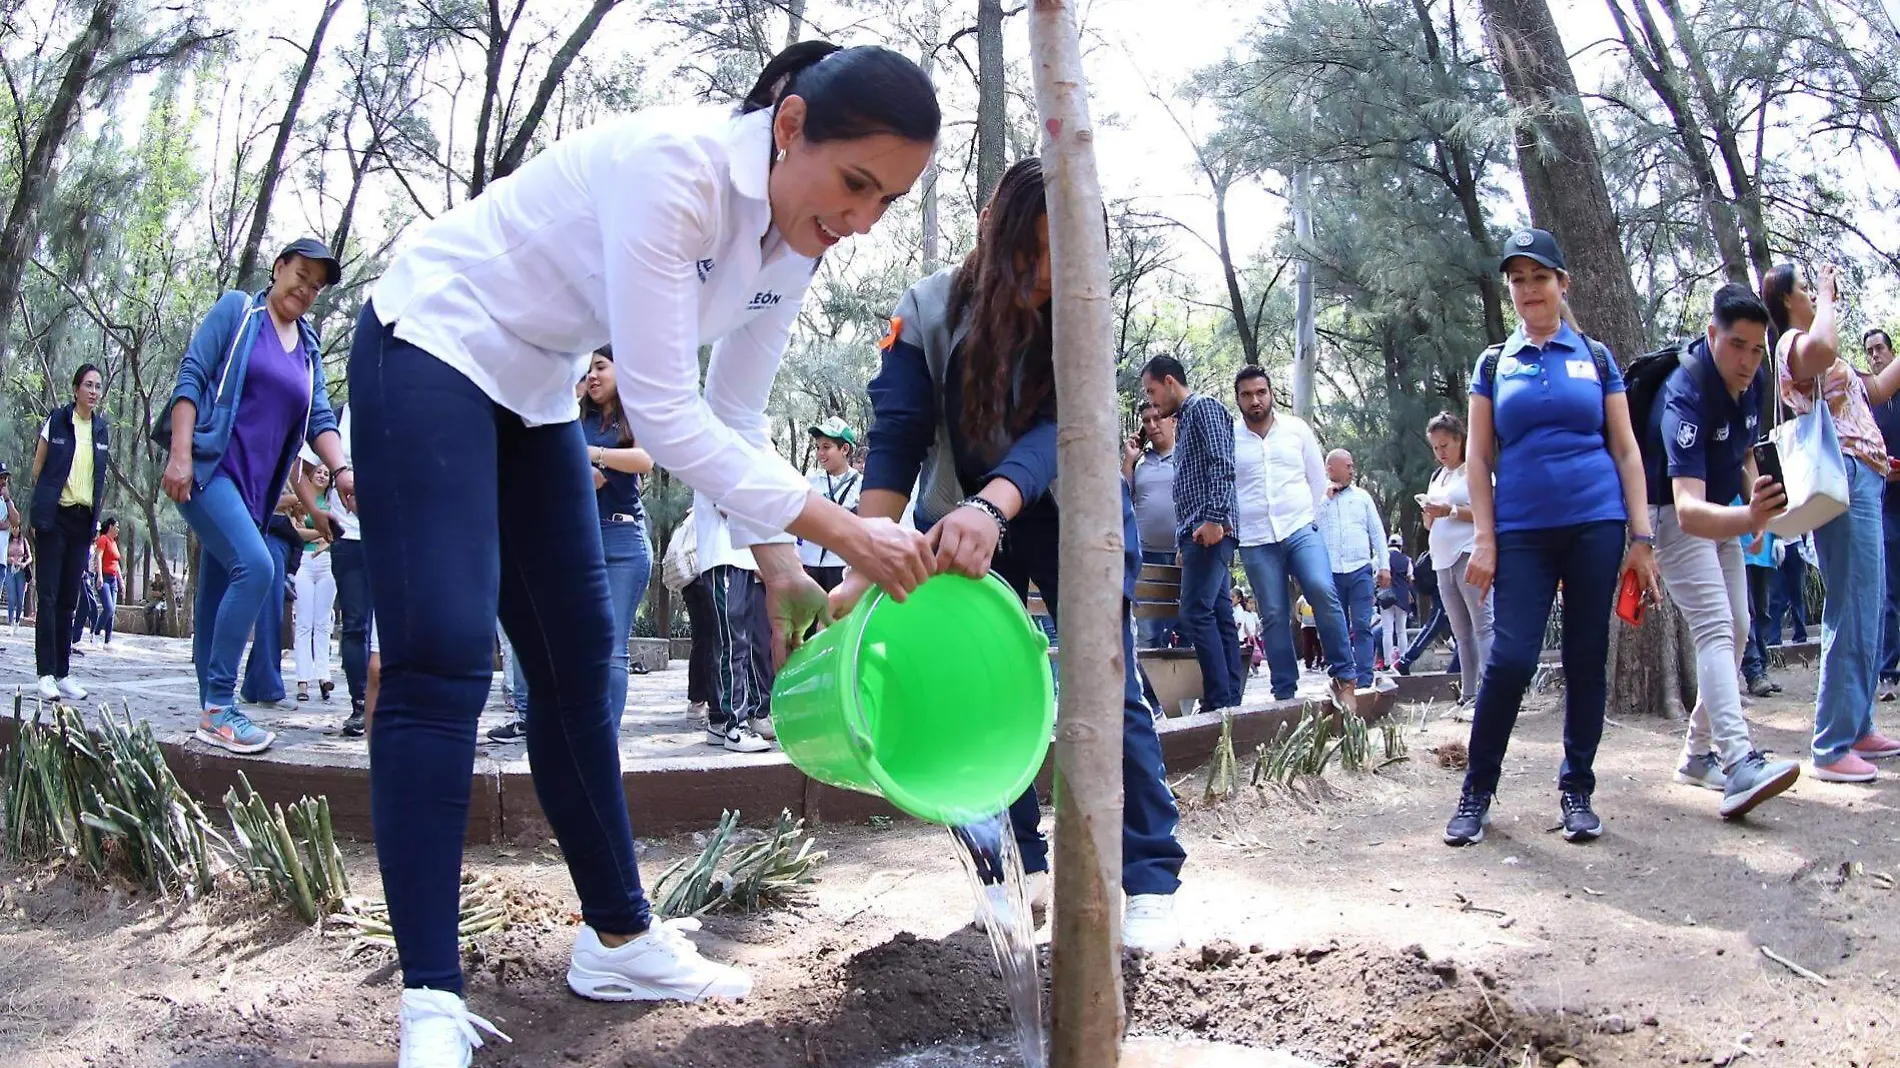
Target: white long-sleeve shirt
651,231
1279,478
1355,536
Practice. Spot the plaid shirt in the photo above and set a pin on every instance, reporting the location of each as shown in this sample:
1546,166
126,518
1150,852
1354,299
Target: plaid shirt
1204,466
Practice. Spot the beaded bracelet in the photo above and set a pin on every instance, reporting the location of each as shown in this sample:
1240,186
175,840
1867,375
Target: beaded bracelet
983,505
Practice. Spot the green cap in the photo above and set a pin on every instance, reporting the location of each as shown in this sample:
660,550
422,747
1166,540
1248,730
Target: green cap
836,429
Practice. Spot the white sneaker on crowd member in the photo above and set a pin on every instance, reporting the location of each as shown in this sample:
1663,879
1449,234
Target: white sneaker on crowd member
69,689
49,689
661,964
1148,924
762,726
438,1031
743,739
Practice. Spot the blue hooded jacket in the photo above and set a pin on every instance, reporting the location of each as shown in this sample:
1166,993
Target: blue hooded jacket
211,377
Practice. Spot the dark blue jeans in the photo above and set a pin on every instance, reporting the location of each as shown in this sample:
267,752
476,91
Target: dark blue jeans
1355,597
629,566
1301,556
1207,620
1890,605
1151,855
352,601
1585,558
1435,628
264,669
236,574
1786,598
437,459
1755,650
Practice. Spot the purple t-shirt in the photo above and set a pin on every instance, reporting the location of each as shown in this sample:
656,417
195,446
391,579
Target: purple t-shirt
271,415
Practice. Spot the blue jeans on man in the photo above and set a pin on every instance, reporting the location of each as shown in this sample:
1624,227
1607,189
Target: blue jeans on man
1355,596
1300,556
1155,633
1207,619
1890,602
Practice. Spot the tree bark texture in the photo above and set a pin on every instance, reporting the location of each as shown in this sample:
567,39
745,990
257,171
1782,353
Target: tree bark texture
274,164
1085,969
1649,51
1562,171
20,233
516,152
992,114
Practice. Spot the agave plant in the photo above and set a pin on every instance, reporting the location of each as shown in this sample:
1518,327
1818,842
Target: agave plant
773,872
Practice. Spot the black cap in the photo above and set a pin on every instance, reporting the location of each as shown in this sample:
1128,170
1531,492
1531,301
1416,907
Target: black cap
1535,245
3,469
312,249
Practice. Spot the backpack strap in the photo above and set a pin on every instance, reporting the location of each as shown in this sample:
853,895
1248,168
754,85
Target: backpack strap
1488,369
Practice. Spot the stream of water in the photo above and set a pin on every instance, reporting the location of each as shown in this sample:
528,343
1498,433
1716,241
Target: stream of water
990,858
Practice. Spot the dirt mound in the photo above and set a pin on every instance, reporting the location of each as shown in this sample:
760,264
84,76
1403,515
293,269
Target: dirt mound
1357,1005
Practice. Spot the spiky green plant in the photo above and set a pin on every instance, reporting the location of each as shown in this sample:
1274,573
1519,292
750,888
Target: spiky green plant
1222,778
773,872
293,856
1320,738
105,800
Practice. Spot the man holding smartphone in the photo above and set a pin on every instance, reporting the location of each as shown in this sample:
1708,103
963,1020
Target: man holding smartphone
1698,449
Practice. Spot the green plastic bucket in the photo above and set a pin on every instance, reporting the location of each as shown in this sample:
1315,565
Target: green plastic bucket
942,705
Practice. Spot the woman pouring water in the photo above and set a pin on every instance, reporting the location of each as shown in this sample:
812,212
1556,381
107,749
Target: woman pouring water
657,232
968,362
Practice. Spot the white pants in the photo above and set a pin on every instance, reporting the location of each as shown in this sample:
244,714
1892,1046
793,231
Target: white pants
1392,622
316,596
1707,580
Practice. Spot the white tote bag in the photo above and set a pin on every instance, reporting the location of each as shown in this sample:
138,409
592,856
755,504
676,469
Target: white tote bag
1813,471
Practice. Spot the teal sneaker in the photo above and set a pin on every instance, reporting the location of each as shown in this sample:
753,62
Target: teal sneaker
231,729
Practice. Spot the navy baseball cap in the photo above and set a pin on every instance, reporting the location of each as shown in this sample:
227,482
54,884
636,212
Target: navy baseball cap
1534,245
312,249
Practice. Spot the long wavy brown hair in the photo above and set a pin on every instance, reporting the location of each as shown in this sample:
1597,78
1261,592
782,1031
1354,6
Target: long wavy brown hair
1008,368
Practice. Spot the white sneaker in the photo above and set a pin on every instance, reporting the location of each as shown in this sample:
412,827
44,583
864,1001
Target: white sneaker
1148,924
745,740
68,689
48,688
438,1031
660,965
762,726
1036,886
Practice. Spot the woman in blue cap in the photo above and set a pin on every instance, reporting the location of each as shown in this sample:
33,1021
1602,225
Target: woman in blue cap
250,393
1548,414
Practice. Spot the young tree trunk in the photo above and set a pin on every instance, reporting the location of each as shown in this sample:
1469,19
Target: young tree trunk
1563,180
1236,299
1455,156
274,163
795,17
1085,969
20,233
1650,54
516,152
1305,318
991,99
1747,191
932,232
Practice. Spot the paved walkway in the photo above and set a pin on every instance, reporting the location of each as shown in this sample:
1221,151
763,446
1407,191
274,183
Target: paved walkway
154,676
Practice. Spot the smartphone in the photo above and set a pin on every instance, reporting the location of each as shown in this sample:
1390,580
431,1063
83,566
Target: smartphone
1768,460
1631,600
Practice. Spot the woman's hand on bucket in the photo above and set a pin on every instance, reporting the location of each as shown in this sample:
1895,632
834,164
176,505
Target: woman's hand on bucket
846,595
965,541
894,557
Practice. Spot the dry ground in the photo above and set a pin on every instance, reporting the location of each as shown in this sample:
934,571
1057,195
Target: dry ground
1330,922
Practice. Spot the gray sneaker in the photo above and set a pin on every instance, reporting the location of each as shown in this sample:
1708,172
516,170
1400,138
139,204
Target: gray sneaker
1761,686
1755,779
1702,769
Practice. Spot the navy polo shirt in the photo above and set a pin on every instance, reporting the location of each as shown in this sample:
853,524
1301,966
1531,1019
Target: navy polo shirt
1697,430
1554,467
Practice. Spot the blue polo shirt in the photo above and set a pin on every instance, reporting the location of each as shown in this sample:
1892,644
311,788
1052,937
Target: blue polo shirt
1697,430
1554,467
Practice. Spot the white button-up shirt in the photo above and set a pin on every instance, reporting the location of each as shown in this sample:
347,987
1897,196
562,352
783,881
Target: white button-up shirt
1279,478
651,231
1355,536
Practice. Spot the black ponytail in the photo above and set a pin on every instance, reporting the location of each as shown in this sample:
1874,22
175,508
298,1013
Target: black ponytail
850,92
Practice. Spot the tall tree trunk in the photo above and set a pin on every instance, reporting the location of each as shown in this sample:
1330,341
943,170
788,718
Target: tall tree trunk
516,151
1650,53
1236,299
495,52
1455,157
1085,956
795,17
1563,180
992,115
932,228
1305,317
274,163
20,233
1562,170
1746,190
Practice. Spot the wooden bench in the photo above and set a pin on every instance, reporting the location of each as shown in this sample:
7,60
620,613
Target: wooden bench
1174,673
